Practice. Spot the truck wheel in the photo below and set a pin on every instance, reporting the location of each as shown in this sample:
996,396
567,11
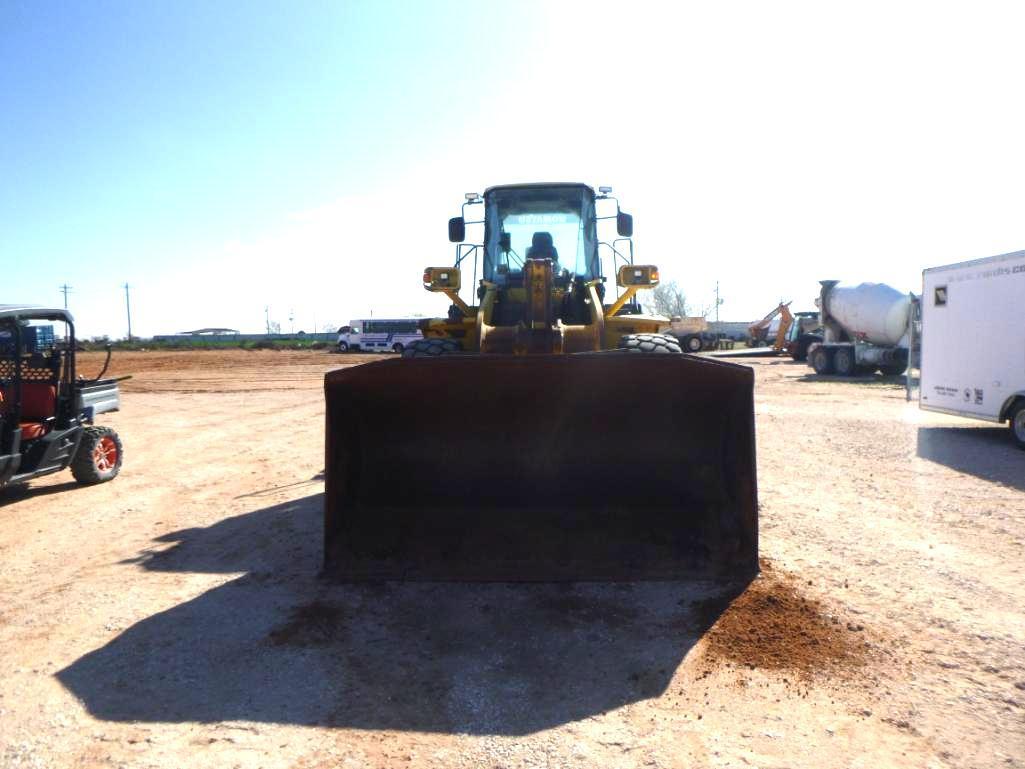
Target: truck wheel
822,361
843,361
431,348
801,350
1016,421
98,458
343,347
693,343
397,348
650,343
893,369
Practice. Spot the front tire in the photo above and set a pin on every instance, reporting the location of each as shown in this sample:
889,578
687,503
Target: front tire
431,348
397,348
343,347
693,343
1016,421
98,458
650,343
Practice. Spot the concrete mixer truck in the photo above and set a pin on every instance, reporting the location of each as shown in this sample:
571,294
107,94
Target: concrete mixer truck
866,328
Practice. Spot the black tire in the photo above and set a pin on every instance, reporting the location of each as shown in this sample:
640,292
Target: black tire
821,359
343,347
397,348
693,343
893,369
1016,421
803,343
650,343
431,348
843,361
98,458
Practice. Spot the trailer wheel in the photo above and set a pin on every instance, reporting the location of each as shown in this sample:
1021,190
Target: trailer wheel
650,343
693,343
98,458
843,361
431,348
343,347
822,361
1016,421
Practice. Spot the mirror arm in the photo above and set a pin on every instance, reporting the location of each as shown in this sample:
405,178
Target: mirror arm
625,297
458,302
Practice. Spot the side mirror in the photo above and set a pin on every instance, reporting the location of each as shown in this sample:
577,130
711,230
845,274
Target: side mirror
639,275
505,242
625,225
442,278
457,229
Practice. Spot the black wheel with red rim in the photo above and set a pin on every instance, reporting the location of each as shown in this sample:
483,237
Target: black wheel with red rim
99,455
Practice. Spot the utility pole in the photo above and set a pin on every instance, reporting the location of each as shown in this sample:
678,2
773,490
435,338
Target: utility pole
128,309
291,321
718,301
266,317
64,287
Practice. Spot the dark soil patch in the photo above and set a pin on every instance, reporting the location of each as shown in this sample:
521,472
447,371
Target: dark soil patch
773,625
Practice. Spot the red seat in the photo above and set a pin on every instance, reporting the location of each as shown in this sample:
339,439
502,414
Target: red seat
32,430
38,403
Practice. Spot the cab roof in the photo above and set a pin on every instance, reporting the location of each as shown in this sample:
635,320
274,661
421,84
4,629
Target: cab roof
34,312
537,185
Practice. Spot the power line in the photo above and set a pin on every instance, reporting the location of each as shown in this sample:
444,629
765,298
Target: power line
65,288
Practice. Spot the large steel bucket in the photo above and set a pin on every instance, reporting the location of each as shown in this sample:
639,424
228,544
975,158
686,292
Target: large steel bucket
596,466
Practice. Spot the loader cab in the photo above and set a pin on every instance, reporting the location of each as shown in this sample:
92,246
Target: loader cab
556,222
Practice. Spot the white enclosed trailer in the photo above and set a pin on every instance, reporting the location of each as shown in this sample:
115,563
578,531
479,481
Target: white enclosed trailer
973,340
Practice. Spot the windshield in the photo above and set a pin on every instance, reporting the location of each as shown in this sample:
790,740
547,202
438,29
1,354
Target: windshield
556,223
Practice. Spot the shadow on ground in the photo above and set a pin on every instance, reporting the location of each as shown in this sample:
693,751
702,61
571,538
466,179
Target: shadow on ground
866,379
20,491
985,452
279,645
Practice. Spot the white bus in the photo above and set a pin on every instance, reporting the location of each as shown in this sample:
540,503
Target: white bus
378,335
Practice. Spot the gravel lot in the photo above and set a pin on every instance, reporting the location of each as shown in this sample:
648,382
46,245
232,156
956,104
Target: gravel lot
174,617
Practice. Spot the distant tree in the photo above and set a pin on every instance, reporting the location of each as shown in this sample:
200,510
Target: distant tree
274,326
668,299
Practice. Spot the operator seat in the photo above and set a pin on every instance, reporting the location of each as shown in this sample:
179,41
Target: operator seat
542,247
38,407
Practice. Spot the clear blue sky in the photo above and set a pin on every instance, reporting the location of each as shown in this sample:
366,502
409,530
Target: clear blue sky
222,157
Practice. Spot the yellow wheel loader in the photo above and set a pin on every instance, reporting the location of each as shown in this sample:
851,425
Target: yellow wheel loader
541,431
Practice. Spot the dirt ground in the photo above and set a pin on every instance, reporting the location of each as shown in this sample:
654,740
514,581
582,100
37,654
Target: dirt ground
175,618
